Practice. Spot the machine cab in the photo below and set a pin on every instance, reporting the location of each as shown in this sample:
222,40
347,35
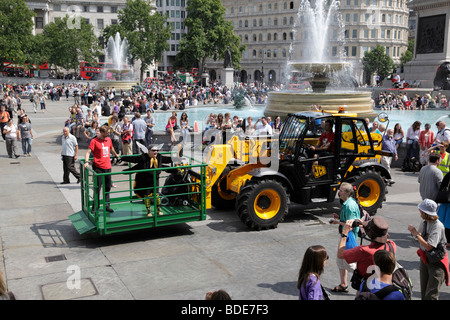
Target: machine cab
322,146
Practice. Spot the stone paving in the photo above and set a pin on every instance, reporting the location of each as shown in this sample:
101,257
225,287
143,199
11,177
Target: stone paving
41,253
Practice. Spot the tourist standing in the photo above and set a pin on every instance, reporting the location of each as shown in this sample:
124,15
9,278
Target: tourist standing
139,129
312,267
26,135
150,121
42,101
4,118
443,133
430,177
433,255
388,144
184,125
127,136
426,139
101,147
11,136
115,131
349,211
69,154
35,101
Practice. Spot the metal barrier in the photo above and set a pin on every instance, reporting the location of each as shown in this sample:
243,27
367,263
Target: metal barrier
182,201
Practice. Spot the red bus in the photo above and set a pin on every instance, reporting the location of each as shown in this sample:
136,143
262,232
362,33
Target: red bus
11,69
95,72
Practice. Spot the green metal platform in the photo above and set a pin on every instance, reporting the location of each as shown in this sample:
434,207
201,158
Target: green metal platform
130,212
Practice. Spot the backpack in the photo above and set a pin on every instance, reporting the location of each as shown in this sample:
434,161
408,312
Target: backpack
411,165
401,279
365,293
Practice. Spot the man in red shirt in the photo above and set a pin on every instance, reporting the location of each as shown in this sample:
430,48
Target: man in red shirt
377,230
101,147
326,140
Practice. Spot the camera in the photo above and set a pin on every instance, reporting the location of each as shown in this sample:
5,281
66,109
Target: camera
355,224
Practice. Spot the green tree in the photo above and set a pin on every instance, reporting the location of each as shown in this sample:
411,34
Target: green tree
377,61
146,30
65,46
208,36
16,26
408,54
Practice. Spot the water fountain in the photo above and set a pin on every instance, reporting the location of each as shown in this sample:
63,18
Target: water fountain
319,70
121,77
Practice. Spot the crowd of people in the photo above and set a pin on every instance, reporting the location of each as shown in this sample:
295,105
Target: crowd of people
401,101
374,269
126,135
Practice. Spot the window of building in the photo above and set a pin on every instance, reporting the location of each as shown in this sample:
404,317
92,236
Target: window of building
56,7
99,8
85,8
355,17
39,22
246,23
354,51
113,9
275,36
354,33
113,21
100,24
269,37
334,51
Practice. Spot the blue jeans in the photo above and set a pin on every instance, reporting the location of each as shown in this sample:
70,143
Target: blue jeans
26,145
412,149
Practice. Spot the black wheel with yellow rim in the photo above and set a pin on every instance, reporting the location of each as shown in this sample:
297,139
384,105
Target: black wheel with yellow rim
221,198
370,190
262,204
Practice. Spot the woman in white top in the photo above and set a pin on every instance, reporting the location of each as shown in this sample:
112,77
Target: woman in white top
412,140
399,134
184,125
11,135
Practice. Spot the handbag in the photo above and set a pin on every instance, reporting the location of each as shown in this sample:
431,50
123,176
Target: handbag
436,254
350,242
443,195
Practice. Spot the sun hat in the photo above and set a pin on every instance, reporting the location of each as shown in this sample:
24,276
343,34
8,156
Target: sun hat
429,207
377,229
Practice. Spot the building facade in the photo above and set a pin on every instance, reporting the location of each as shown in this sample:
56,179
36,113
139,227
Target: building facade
175,10
273,33
99,14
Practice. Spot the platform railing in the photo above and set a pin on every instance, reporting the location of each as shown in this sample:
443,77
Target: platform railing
95,206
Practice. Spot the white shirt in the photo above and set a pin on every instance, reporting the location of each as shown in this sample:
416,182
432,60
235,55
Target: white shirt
267,129
443,135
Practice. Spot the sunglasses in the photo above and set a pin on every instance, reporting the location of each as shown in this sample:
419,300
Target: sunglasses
154,150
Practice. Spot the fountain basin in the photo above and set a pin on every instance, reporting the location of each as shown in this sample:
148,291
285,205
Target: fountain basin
283,103
117,84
